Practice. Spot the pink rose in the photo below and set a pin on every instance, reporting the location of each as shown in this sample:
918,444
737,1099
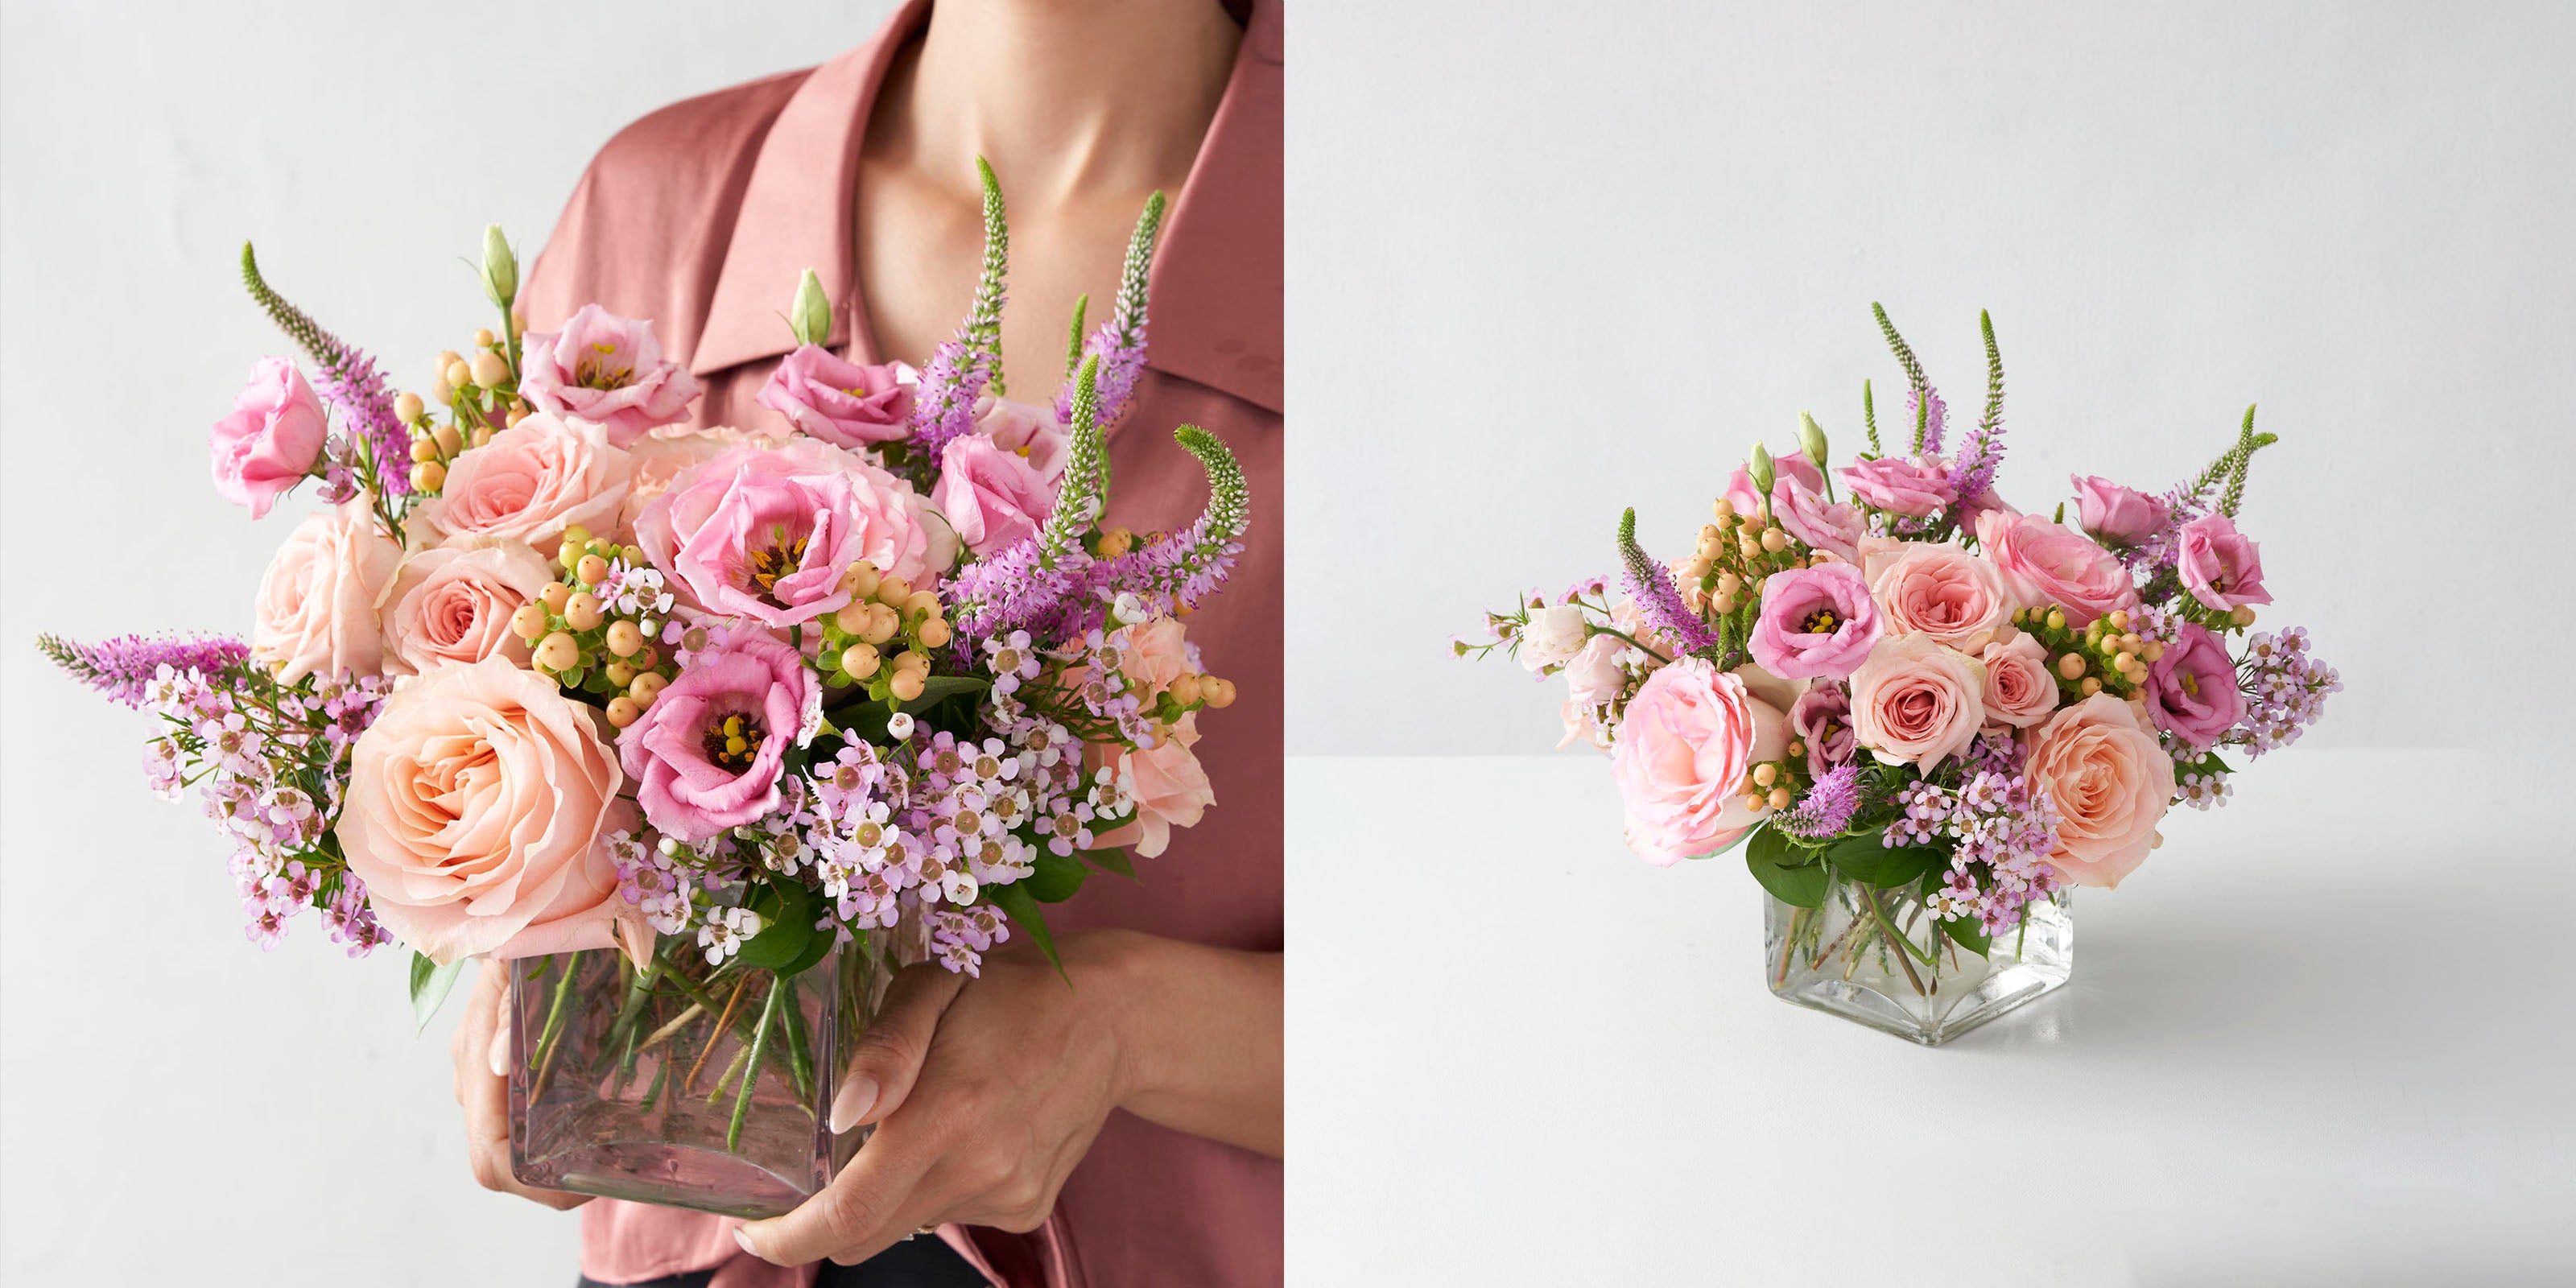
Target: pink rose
2191,691
1915,702
991,495
1795,468
705,756
532,481
453,604
1942,591
1900,485
2049,563
766,533
476,802
2110,783
1025,431
1682,751
1822,719
844,403
1158,652
1816,623
316,611
2115,513
608,370
2219,565
271,440
2020,688
1171,790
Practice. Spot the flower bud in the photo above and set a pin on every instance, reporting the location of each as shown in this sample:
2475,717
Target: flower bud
811,316
1759,467
500,268
1811,439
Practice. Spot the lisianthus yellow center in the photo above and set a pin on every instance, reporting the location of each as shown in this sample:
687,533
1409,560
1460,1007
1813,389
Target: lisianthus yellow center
1820,622
731,741
2190,683
598,369
783,555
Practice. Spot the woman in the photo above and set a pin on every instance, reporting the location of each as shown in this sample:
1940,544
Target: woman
988,1092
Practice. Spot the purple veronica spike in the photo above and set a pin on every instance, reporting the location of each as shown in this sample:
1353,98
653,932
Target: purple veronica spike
1652,588
122,667
1827,808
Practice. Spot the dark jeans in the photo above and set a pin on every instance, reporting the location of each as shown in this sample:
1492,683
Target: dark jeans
923,1262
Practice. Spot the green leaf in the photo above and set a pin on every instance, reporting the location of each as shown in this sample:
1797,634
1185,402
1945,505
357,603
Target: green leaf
1729,847
1790,872
1965,932
1111,859
789,913
429,984
1056,878
1863,859
1016,903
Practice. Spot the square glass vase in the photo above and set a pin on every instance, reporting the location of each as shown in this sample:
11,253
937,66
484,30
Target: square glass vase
1877,956
690,1085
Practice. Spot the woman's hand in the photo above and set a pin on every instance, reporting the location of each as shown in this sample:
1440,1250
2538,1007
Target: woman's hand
481,1050
987,1092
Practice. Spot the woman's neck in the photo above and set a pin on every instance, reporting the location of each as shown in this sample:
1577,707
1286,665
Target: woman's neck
1066,98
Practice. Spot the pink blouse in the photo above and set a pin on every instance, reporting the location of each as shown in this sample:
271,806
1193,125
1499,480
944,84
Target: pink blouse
701,217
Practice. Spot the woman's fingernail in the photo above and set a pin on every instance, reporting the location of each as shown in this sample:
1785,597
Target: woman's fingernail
743,1238
501,1045
857,1096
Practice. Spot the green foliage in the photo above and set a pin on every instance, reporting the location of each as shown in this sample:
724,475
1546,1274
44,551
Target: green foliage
1021,907
1110,859
1864,859
1056,878
2247,443
786,909
296,323
1965,932
1792,874
429,984
1914,378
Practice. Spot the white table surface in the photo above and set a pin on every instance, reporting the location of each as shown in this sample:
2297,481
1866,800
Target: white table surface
2322,1036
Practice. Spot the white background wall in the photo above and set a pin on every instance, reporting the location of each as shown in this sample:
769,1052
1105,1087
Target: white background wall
1547,261
180,1107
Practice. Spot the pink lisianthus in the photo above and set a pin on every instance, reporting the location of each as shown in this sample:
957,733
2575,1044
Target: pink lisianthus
1801,508
2110,783
766,533
1170,787
1026,431
2049,563
993,496
2021,691
2191,691
705,756
608,370
844,403
1822,719
1684,744
1902,485
1816,623
1942,591
271,440
1917,702
2219,565
1794,468
2115,513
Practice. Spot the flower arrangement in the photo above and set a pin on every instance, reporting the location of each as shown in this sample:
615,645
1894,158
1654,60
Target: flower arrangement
554,673
1923,713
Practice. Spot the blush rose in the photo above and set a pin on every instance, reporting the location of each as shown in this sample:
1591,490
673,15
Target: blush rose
1942,591
1917,702
1682,750
2110,783
2021,690
2049,563
532,481
316,610
453,604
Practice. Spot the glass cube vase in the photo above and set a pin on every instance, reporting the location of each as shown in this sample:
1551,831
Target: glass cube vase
1878,957
688,1085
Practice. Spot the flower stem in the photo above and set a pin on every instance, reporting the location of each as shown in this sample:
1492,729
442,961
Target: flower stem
1887,930
751,1074
543,1058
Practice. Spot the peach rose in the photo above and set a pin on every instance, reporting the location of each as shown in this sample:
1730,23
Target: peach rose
1171,790
476,802
2110,782
532,481
1158,652
2020,688
316,611
2050,563
1942,591
453,604
1917,702
1683,747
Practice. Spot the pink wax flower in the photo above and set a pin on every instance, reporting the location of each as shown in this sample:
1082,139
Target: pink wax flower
2021,690
2109,782
705,756
1917,702
2219,565
1791,468
1816,623
2049,563
2115,513
1822,719
271,440
1900,485
608,370
844,403
1683,747
993,496
1941,591
2191,691
766,533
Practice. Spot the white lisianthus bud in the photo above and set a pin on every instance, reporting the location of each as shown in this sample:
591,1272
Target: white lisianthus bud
1811,439
811,316
500,268
1759,467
